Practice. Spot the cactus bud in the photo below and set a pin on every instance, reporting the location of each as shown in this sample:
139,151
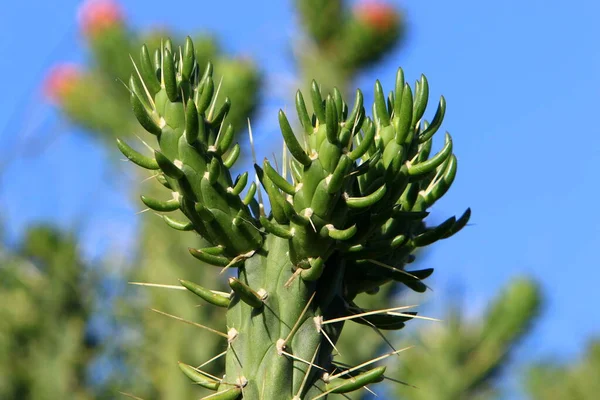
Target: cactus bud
60,82
377,15
96,16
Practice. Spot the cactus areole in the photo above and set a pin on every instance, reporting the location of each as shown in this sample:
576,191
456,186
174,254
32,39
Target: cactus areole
346,212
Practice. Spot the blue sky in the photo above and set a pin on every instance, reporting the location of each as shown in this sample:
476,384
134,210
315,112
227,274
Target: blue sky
522,81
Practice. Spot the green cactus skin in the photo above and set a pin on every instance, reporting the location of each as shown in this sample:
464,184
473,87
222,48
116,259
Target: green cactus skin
345,224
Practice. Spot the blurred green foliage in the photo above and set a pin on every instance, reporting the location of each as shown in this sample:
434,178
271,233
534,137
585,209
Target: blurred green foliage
575,380
47,297
460,358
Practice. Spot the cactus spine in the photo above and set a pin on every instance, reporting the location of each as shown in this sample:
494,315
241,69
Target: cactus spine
345,221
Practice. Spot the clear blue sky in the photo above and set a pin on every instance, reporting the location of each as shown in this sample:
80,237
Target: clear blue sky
522,81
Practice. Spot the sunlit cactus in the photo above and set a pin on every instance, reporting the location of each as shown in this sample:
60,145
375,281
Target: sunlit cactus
346,211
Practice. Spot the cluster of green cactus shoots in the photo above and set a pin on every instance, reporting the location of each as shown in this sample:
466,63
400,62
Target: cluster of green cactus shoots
346,211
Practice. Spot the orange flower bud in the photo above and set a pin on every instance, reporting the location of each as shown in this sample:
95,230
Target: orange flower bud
61,81
95,16
376,14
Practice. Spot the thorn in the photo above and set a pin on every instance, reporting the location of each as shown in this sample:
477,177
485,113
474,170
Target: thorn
342,364
175,287
305,379
302,360
212,359
251,224
400,382
378,331
206,374
143,211
284,162
260,200
370,391
148,178
374,360
219,133
414,316
383,311
162,63
130,396
146,144
312,223
191,323
379,263
330,341
297,324
143,83
214,101
237,259
289,282
124,84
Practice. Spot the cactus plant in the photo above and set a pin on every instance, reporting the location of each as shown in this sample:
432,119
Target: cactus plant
345,224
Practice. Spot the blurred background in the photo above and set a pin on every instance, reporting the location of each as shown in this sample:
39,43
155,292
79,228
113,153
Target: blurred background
515,290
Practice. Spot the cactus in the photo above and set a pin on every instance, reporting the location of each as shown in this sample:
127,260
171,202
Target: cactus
345,224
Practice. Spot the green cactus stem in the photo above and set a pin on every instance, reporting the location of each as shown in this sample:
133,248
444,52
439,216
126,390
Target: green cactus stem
343,221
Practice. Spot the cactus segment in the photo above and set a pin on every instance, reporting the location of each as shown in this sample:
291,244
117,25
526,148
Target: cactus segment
229,394
189,59
157,205
355,119
435,123
421,98
147,71
342,385
212,297
170,169
178,225
208,258
232,157
459,224
277,179
169,75
317,102
403,119
331,120
199,378
245,293
303,113
290,140
135,157
142,114
430,165
433,235
192,125
368,200
345,224
240,184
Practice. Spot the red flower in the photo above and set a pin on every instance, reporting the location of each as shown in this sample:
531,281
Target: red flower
61,81
376,14
95,16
